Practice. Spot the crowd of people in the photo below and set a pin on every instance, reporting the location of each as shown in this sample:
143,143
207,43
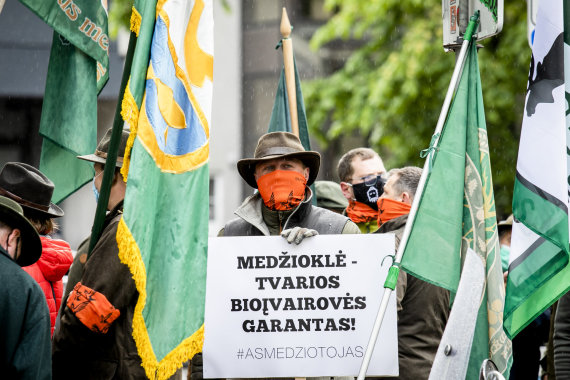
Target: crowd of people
93,335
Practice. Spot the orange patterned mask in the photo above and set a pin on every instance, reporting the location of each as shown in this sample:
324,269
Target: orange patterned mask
282,189
359,212
389,209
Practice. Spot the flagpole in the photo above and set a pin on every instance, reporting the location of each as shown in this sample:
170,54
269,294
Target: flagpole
390,283
111,160
289,67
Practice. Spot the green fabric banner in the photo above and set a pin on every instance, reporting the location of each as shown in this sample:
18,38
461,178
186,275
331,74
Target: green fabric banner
69,118
163,235
78,70
281,117
83,23
457,211
538,271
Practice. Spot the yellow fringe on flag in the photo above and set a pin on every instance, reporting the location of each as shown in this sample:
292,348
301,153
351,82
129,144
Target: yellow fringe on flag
130,114
136,20
129,254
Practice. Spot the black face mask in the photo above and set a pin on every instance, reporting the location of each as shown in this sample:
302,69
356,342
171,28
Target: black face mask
368,193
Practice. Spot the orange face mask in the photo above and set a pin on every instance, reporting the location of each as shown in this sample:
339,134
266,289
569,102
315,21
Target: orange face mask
389,209
282,189
359,212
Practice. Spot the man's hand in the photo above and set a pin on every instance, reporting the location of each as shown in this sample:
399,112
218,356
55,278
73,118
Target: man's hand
297,234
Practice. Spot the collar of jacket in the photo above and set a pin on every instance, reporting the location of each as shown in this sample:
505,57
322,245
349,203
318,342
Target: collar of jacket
253,211
118,209
393,225
5,253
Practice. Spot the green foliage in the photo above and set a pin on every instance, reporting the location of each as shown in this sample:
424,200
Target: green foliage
391,89
119,16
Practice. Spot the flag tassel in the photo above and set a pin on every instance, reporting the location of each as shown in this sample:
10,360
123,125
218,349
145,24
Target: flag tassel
129,254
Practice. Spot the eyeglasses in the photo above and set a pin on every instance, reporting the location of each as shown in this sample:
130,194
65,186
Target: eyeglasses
373,179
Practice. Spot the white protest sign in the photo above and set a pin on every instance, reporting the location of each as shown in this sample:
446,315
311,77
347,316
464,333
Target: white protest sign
275,309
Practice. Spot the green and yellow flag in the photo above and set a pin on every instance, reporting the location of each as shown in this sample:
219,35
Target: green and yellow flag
77,71
163,234
456,212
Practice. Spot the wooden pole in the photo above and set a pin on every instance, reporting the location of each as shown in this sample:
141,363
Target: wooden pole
109,171
289,71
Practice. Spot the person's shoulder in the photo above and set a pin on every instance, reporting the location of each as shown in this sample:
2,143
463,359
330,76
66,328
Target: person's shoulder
17,281
340,224
328,213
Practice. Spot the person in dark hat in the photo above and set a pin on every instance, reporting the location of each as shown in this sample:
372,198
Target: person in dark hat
24,316
94,339
282,171
115,205
33,190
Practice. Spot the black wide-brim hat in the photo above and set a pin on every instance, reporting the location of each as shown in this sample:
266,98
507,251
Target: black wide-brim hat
100,155
279,145
30,188
12,214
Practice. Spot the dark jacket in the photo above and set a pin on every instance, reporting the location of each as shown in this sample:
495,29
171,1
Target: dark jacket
24,325
88,352
423,310
562,338
75,271
254,219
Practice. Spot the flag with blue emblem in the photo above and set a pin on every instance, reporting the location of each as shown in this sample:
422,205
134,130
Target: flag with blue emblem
163,234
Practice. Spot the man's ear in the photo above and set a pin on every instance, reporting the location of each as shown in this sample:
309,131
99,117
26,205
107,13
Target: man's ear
12,246
345,187
306,172
406,198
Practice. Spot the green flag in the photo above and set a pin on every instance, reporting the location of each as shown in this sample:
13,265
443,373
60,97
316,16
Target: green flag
281,117
539,273
457,211
77,71
163,235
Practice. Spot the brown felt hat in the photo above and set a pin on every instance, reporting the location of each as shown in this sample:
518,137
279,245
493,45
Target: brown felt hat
12,214
279,145
102,149
30,188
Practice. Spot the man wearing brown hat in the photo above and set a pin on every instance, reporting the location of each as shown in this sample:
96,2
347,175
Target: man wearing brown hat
24,316
94,340
282,171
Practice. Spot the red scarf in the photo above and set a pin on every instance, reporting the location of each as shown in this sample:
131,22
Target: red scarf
389,209
282,189
359,212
